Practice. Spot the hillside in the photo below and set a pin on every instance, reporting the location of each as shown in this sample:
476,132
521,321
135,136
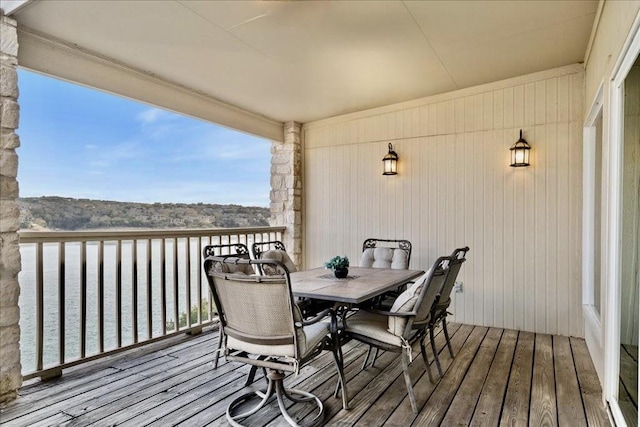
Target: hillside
62,213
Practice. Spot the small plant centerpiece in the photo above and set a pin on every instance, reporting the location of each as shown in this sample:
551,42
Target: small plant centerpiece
339,265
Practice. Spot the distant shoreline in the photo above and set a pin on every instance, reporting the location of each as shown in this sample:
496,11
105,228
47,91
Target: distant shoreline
53,213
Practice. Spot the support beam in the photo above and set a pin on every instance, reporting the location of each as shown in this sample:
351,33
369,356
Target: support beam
44,54
10,368
286,189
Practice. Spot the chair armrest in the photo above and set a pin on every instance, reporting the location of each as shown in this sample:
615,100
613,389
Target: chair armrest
324,313
391,313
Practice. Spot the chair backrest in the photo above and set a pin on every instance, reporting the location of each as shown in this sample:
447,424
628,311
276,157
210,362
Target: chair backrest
230,250
419,298
257,313
274,250
457,258
386,253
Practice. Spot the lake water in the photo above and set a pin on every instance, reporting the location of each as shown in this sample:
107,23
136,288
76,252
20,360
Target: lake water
27,300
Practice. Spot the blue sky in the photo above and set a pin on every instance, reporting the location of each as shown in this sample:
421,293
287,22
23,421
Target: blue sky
83,143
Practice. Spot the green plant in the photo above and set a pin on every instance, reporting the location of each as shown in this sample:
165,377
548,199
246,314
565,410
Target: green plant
337,262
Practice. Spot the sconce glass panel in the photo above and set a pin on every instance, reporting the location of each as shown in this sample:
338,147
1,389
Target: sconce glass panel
520,153
390,162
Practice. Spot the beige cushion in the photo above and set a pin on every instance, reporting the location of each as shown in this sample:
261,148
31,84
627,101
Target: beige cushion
372,325
242,269
405,302
385,258
278,255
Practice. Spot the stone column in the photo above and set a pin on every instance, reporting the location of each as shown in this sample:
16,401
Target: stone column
10,368
286,189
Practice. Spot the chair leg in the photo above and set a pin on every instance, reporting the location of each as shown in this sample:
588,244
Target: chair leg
375,356
446,335
423,351
407,380
252,372
275,386
435,352
215,362
342,383
366,358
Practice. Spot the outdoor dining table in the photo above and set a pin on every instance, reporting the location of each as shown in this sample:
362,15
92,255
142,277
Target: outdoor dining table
360,285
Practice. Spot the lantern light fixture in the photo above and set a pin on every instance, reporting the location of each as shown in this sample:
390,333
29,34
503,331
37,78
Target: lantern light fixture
390,162
520,152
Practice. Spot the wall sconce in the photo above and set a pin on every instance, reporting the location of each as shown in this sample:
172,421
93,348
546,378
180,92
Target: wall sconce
520,152
390,162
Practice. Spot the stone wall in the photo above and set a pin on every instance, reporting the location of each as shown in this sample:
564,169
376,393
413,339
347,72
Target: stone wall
286,189
10,368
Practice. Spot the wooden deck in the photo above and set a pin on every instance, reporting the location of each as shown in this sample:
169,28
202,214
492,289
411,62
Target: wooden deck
498,377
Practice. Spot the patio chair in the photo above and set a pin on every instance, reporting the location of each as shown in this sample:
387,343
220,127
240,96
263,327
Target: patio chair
385,253
405,323
235,250
260,318
275,250
440,309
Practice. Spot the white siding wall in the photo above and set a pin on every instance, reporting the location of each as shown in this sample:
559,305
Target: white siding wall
455,188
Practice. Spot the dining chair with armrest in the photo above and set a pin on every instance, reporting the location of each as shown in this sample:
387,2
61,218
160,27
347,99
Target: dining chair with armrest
405,323
259,318
275,250
440,308
386,253
234,250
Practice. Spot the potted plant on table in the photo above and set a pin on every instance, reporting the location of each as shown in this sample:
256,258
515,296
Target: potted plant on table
339,265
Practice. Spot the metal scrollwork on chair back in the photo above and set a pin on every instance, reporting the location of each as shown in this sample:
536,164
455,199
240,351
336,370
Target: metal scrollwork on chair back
240,249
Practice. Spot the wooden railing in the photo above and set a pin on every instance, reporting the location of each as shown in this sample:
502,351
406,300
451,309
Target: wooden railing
86,295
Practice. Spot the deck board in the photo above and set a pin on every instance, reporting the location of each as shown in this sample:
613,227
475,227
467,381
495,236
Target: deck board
543,410
487,413
515,408
569,401
492,379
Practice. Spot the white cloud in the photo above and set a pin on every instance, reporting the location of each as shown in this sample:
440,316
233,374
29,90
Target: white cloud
151,115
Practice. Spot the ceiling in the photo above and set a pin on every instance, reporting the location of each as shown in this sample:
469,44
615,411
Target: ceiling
304,61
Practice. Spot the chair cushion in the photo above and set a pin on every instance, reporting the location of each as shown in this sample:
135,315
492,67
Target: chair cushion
372,325
385,258
406,301
242,269
278,255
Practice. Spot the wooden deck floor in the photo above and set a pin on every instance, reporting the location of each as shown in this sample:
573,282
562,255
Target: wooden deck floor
498,377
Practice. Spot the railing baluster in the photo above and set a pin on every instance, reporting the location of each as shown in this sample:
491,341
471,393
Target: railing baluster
102,337
119,293
163,284
149,289
134,289
61,302
39,306
187,281
101,296
83,299
175,285
199,279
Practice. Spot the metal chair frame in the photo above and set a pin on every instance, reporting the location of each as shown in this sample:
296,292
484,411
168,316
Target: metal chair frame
276,366
458,257
242,251
415,328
